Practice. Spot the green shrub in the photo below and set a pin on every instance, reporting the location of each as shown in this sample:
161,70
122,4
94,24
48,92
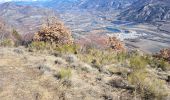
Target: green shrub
40,45
16,35
147,86
138,62
68,48
98,57
122,56
155,89
158,63
65,73
137,78
153,62
164,65
7,42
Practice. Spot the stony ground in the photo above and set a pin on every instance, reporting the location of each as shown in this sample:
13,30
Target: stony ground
33,76
29,75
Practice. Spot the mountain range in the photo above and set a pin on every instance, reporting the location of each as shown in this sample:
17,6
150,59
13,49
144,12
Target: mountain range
84,4
131,10
106,4
147,11
27,16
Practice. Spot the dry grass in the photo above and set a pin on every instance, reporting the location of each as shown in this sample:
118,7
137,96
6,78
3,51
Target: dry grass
34,76
23,80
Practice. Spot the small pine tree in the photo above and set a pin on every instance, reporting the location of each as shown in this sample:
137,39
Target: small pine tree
16,35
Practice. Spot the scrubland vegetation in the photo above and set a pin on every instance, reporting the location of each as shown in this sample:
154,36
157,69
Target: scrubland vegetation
143,76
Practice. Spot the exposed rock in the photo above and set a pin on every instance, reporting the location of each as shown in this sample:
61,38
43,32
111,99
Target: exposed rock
106,97
147,11
104,5
168,80
44,68
83,66
119,82
71,58
117,69
19,51
60,61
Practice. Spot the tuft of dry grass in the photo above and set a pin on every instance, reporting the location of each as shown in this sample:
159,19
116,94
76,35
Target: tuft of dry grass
65,73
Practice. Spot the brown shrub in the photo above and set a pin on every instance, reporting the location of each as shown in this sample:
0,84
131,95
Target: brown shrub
99,41
54,32
165,54
115,44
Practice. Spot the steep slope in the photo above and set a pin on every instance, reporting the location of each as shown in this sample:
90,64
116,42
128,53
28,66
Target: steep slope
49,75
62,4
34,76
26,19
105,4
84,4
54,4
4,30
147,11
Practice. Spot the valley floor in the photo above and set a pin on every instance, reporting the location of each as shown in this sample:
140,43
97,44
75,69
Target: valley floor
147,38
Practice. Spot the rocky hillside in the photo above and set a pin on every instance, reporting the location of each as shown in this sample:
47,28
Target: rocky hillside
6,32
105,4
54,67
26,19
54,4
62,75
45,76
147,11
85,4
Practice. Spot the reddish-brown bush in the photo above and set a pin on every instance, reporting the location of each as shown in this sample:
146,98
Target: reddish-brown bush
165,54
54,32
115,44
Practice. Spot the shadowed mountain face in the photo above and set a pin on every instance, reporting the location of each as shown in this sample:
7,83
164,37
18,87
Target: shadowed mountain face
147,11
